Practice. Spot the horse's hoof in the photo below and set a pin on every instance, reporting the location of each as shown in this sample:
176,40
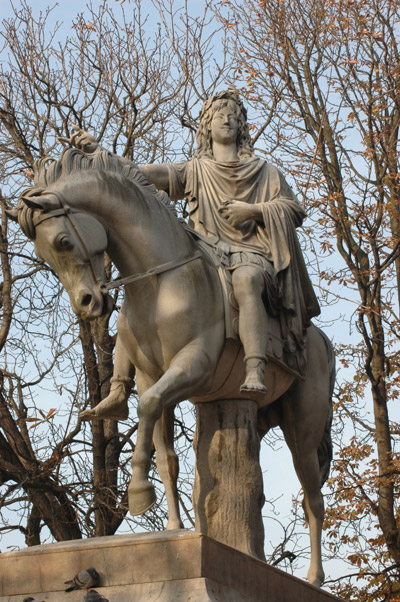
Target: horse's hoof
173,525
316,581
141,498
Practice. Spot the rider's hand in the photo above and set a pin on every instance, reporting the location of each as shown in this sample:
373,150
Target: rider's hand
237,212
81,140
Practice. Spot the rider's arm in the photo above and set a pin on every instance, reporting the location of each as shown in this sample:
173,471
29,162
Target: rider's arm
157,175
170,177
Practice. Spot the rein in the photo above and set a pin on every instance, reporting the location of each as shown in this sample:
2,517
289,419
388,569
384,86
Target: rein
66,211
164,267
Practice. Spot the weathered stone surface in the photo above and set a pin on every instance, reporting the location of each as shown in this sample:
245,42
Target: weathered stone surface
228,492
175,566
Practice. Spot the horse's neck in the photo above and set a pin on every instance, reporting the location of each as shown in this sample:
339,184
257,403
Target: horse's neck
142,233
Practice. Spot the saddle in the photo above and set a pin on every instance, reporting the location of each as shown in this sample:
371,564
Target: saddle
281,346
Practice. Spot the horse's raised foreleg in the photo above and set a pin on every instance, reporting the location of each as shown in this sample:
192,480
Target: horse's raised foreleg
190,372
168,464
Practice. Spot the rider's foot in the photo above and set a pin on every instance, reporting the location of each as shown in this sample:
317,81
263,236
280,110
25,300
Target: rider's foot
115,405
254,381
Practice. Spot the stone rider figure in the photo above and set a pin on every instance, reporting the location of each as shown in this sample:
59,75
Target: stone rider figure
244,207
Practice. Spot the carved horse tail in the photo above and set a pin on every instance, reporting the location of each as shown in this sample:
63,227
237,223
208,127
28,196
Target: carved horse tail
325,447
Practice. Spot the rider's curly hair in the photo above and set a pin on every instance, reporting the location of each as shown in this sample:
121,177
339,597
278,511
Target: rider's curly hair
203,135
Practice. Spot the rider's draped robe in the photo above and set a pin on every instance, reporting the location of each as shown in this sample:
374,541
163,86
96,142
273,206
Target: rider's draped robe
206,184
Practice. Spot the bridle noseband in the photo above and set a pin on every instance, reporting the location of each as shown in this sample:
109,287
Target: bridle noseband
66,211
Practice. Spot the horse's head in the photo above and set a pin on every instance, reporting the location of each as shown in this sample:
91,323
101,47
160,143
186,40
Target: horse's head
72,243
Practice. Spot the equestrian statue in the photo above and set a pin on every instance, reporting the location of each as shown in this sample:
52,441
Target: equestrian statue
216,310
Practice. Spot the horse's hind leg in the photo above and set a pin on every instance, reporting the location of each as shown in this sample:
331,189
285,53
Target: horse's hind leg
303,424
191,371
168,465
307,469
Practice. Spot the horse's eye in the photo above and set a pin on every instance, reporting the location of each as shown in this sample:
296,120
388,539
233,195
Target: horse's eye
64,243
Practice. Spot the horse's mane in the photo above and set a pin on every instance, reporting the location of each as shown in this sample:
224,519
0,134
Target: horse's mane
48,171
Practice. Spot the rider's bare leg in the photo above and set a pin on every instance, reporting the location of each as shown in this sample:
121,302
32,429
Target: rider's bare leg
248,287
115,405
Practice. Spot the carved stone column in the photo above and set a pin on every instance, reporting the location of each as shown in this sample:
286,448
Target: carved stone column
228,492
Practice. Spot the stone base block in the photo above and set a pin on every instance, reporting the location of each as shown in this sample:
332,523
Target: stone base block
173,566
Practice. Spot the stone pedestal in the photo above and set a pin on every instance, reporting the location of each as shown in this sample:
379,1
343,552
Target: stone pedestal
228,491
174,566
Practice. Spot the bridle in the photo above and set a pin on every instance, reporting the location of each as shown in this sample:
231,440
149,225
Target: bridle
67,211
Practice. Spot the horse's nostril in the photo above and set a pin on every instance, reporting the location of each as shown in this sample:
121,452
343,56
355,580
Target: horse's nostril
86,299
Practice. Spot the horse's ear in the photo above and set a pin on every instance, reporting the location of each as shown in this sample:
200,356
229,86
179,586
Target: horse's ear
12,214
45,203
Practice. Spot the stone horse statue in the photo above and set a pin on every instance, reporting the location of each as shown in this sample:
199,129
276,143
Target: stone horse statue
172,324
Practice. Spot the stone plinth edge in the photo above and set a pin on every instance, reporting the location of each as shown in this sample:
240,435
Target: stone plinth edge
173,566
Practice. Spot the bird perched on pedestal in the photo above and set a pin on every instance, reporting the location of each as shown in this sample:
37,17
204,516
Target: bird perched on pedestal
93,596
83,580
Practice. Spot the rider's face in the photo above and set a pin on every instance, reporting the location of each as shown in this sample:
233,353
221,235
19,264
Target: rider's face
224,125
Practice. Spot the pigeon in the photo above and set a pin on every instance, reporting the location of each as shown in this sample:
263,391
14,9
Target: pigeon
83,580
93,596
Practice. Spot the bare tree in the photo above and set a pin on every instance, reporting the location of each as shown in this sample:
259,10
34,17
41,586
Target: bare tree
121,77
324,79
